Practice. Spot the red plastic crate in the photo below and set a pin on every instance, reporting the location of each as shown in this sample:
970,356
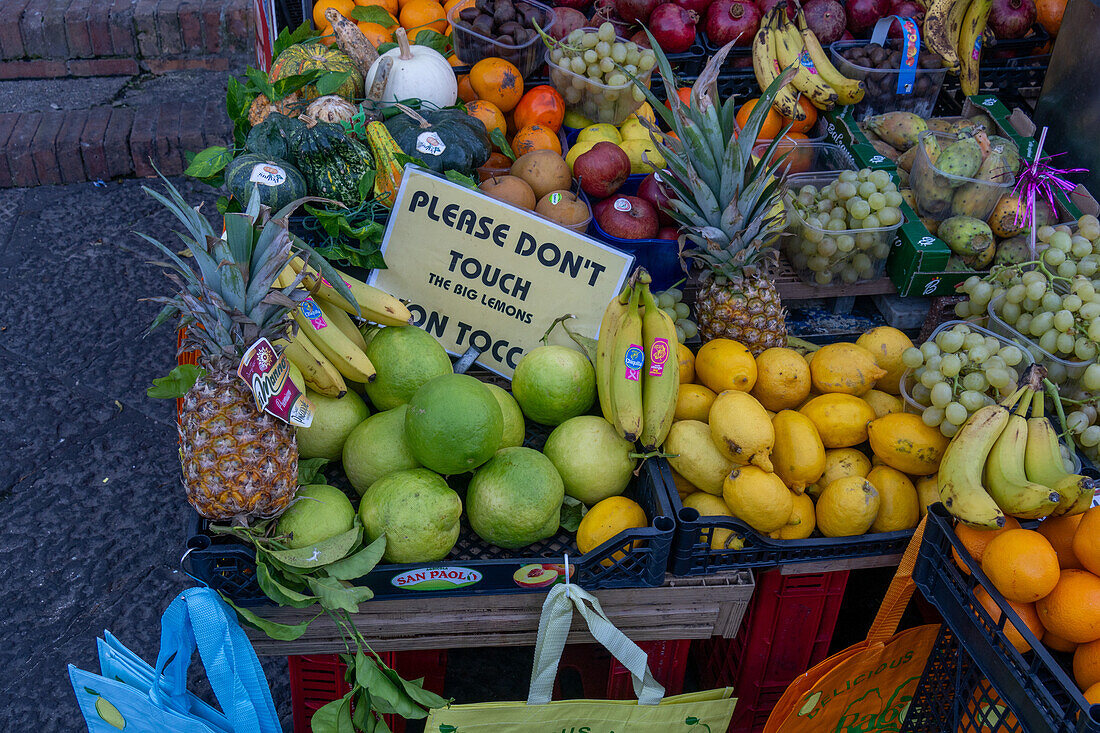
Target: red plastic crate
602,677
317,680
787,630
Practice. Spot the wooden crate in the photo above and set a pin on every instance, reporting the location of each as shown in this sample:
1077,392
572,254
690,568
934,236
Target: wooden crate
791,287
683,608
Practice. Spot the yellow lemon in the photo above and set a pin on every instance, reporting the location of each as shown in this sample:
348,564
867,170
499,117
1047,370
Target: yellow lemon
693,402
847,507
904,442
635,149
844,368
782,379
601,131
798,455
606,519
575,120
840,462
886,345
724,364
802,522
841,419
928,493
741,429
687,364
714,506
882,403
633,129
898,503
693,454
758,498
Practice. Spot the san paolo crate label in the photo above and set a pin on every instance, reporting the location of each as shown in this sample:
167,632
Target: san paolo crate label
441,578
267,374
486,275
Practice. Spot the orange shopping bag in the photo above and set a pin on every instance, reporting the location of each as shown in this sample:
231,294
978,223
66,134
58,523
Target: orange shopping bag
868,686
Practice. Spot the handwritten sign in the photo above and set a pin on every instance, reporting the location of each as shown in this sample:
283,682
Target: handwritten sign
485,274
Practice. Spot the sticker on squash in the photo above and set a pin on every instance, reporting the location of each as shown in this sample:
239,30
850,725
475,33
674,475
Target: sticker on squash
267,174
429,143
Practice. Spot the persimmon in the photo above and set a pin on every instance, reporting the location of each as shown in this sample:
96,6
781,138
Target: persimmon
344,7
541,105
497,81
535,137
418,15
489,115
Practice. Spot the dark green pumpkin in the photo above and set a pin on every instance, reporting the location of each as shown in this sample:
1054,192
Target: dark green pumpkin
271,137
331,162
445,139
278,181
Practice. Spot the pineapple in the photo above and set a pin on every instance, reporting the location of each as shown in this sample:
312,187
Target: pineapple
729,207
238,462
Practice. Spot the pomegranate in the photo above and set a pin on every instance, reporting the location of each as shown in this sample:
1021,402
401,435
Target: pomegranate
566,20
671,233
635,11
765,5
641,39
653,190
699,7
906,9
673,27
826,19
863,14
575,4
732,19
1011,18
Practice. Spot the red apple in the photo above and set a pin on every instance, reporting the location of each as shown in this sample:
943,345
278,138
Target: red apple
656,192
602,170
627,217
668,233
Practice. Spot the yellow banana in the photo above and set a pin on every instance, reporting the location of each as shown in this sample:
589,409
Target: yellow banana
935,31
789,51
661,378
1043,460
763,52
375,305
960,475
954,29
1006,477
343,321
348,358
625,378
786,101
848,91
605,350
319,373
970,44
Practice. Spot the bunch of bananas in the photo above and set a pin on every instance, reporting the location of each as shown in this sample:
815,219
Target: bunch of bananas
954,29
781,44
1002,462
327,346
637,366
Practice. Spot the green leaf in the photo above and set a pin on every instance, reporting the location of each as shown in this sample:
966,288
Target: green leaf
366,183
334,717
501,142
281,632
336,596
362,712
177,383
373,14
388,45
319,553
460,178
227,205
331,81
237,99
288,84
416,691
302,33
209,162
309,470
361,563
434,40
387,696
258,81
278,592
572,511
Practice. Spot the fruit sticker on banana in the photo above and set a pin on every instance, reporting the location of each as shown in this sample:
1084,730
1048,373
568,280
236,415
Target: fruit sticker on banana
634,361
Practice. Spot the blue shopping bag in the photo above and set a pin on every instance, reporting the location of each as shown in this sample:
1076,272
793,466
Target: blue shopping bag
130,695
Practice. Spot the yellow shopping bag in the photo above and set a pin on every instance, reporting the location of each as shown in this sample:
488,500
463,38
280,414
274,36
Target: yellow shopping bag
697,712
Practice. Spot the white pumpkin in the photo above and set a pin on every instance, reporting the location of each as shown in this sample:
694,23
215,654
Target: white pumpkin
418,72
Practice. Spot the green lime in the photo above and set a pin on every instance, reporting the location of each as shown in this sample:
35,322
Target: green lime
333,421
514,427
405,357
554,383
453,424
377,447
416,510
515,498
593,459
318,512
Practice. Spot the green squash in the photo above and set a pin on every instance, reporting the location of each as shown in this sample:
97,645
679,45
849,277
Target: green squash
271,138
446,139
300,58
278,181
331,162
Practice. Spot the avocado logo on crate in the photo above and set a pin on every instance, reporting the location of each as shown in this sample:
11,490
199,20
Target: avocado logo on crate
441,578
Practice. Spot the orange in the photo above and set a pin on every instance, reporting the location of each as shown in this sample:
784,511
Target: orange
466,92
328,35
1057,643
809,110
773,122
976,540
1026,612
540,105
684,93
417,15
453,60
1049,14
498,81
1022,565
1092,695
1059,530
1086,664
343,7
488,113
606,519
390,6
535,137
1072,609
1086,540
375,33
800,158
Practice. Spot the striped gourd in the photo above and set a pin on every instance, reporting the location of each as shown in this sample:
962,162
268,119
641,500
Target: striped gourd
331,162
387,177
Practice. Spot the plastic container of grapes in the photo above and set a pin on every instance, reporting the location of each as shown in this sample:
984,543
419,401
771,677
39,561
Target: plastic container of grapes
1063,372
926,177
877,241
471,46
810,157
906,378
595,100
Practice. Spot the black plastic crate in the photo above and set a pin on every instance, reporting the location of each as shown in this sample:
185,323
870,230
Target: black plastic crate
1009,79
1035,686
633,558
1034,44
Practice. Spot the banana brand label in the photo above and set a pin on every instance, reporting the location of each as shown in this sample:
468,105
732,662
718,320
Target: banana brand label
267,374
634,361
429,143
313,313
807,62
658,355
267,174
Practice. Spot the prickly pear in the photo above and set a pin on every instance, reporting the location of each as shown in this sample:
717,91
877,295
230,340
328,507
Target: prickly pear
1009,150
1013,251
984,121
886,149
931,146
955,264
1006,213
961,159
967,237
932,191
977,198
932,225
900,129
905,160
937,124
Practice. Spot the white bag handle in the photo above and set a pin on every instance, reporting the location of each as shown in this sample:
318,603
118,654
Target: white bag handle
557,617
